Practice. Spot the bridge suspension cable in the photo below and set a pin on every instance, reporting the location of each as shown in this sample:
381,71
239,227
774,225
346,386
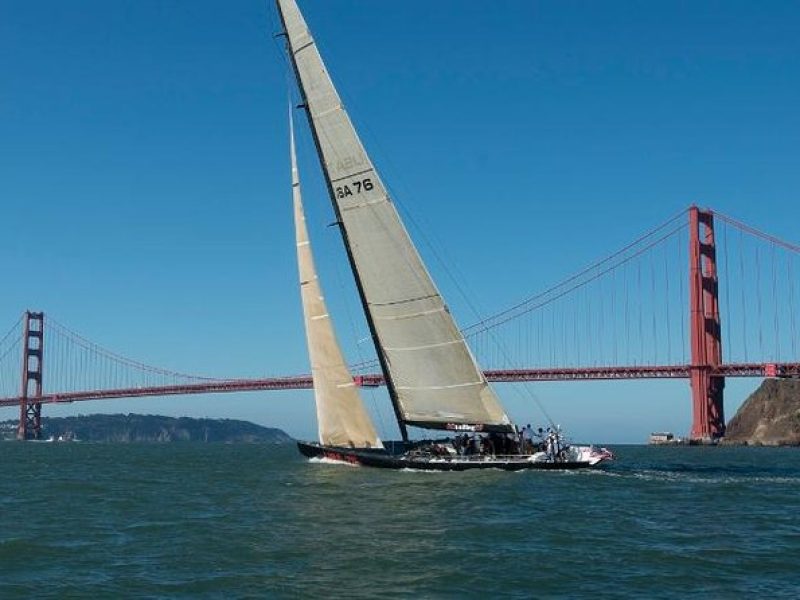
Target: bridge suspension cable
10,359
76,363
758,270
600,314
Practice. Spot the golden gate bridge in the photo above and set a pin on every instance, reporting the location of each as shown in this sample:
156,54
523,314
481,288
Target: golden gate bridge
651,310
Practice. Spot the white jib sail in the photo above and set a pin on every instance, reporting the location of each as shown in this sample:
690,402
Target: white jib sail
434,375
341,416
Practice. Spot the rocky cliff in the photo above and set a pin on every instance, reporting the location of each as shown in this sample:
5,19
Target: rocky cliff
769,417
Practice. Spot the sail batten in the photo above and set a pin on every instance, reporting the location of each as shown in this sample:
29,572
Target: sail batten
432,375
341,417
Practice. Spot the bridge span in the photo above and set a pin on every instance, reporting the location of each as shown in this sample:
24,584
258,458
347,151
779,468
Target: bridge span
301,382
655,309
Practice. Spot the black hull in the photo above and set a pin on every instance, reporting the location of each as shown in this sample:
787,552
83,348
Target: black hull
384,460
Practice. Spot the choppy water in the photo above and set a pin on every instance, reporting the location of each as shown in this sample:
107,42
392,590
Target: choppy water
195,520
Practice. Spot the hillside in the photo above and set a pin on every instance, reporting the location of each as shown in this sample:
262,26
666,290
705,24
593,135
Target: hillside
769,417
152,428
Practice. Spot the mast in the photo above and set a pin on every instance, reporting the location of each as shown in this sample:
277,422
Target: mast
341,416
390,386
433,378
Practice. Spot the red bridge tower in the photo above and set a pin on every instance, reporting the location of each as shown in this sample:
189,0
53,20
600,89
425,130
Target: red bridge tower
708,419
30,406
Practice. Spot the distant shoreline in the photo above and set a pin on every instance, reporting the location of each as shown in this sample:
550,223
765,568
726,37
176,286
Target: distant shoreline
132,427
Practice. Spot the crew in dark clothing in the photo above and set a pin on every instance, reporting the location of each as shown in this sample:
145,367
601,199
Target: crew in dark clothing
488,445
457,445
476,444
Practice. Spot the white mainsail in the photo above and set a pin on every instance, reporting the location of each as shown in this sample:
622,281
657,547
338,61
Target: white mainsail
341,416
431,373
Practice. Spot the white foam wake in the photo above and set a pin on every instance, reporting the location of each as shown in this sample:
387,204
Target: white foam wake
324,460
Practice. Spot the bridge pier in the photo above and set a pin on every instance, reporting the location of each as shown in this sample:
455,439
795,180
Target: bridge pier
708,417
30,406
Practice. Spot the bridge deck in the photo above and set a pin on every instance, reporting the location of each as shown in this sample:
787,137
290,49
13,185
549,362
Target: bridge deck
499,376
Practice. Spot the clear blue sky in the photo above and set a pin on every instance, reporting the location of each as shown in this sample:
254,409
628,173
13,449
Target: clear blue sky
144,188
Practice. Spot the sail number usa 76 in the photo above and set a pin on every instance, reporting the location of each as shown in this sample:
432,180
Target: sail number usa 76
354,187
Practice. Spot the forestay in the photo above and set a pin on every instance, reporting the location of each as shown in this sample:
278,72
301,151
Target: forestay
341,417
431,372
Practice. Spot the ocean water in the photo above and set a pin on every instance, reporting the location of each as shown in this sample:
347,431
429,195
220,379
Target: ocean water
257,521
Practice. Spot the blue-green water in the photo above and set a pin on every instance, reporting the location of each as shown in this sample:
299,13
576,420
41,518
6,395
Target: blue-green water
236,521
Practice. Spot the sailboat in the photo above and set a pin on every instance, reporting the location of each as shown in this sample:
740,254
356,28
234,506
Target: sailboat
432,377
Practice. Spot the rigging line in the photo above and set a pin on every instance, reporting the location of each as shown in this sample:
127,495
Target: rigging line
275,37
448,272
597,275
398,205
583,271
498,345
364,365
752,230
449,266
421,231
376,406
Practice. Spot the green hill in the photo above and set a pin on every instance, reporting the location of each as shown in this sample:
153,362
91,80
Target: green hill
152,428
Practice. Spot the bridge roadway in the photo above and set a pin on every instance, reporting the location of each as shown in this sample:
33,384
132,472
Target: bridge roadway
372,380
